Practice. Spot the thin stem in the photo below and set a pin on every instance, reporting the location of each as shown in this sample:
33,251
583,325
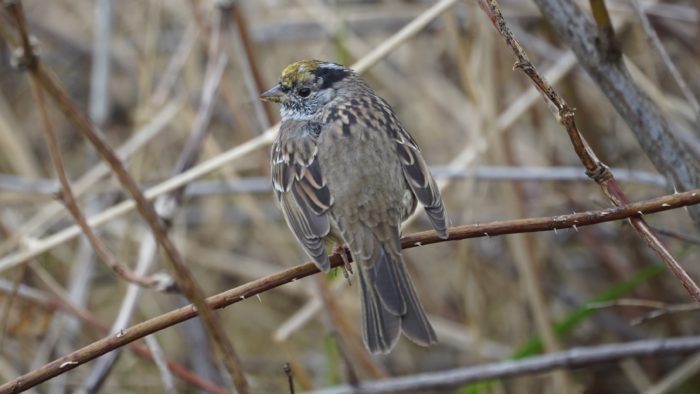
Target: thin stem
68,198
183,277
655,42
595,168
250,289
568,359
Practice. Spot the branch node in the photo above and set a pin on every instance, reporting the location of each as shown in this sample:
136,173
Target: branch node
600,174
68,364
522,65
166,207
164,283
290,377
566,112
59,195
23,61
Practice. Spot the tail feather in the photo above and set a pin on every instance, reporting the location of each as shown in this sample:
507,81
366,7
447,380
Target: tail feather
390,305
415,323
380,328
438,218
386,278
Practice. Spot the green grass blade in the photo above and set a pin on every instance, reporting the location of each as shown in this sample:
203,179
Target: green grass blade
573,319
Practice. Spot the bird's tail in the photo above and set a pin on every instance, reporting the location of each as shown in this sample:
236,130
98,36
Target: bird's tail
390,305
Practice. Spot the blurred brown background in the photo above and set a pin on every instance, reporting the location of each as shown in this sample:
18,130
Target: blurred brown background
454,88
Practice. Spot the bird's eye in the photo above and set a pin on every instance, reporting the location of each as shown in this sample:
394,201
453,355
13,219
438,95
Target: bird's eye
304,92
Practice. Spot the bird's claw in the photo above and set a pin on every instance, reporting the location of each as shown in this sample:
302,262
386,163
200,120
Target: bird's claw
346,267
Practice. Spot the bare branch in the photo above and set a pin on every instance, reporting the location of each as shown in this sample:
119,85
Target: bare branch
659,308
595,168
67,197
52,211
669,155
655,42
569,359
183,277
168,204
245,54
608,45
56,302
261,285
236,152
290,377
159,358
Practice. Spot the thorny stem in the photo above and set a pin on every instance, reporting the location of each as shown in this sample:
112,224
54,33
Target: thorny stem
290,377
607,43
261,285
68,198
182,275
595,169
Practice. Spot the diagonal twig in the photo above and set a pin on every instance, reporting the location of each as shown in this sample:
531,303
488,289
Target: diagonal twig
568,359
666,150
595,169
168,204
183,277
655,42
57,301
67,197
250,289
51,212
659,308
207,166
243,48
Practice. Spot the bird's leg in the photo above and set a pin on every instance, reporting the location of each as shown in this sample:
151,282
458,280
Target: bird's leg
340,250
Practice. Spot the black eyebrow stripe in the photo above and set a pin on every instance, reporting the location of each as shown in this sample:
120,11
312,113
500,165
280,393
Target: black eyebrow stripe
331,75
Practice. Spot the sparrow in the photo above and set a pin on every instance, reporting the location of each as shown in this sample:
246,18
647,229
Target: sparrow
345,170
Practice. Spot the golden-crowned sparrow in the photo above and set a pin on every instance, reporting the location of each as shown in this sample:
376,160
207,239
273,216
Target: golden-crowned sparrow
345,170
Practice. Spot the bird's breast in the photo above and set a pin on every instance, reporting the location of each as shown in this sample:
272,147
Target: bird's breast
364,176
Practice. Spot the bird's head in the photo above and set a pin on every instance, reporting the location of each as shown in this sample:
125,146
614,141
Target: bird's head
305,87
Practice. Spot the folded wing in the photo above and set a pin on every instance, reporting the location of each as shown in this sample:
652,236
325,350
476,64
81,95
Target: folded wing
304,196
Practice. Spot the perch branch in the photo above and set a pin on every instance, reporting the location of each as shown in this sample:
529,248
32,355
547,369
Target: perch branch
261,285
183,277
666,151
55,301
214,163
168,204
595,168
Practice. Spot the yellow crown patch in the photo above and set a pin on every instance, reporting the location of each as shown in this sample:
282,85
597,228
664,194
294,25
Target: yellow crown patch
299,71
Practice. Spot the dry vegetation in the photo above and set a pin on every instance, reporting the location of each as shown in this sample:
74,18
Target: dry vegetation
178,68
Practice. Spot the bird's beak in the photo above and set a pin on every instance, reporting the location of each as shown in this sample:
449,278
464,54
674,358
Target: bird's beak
274,95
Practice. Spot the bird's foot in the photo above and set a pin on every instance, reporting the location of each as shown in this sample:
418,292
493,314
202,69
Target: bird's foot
346,267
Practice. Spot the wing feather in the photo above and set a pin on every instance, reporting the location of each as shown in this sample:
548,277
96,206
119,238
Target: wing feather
303,195
415,170
421,181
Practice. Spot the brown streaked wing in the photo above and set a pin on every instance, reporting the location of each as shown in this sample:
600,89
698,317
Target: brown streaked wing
421,181
304,197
